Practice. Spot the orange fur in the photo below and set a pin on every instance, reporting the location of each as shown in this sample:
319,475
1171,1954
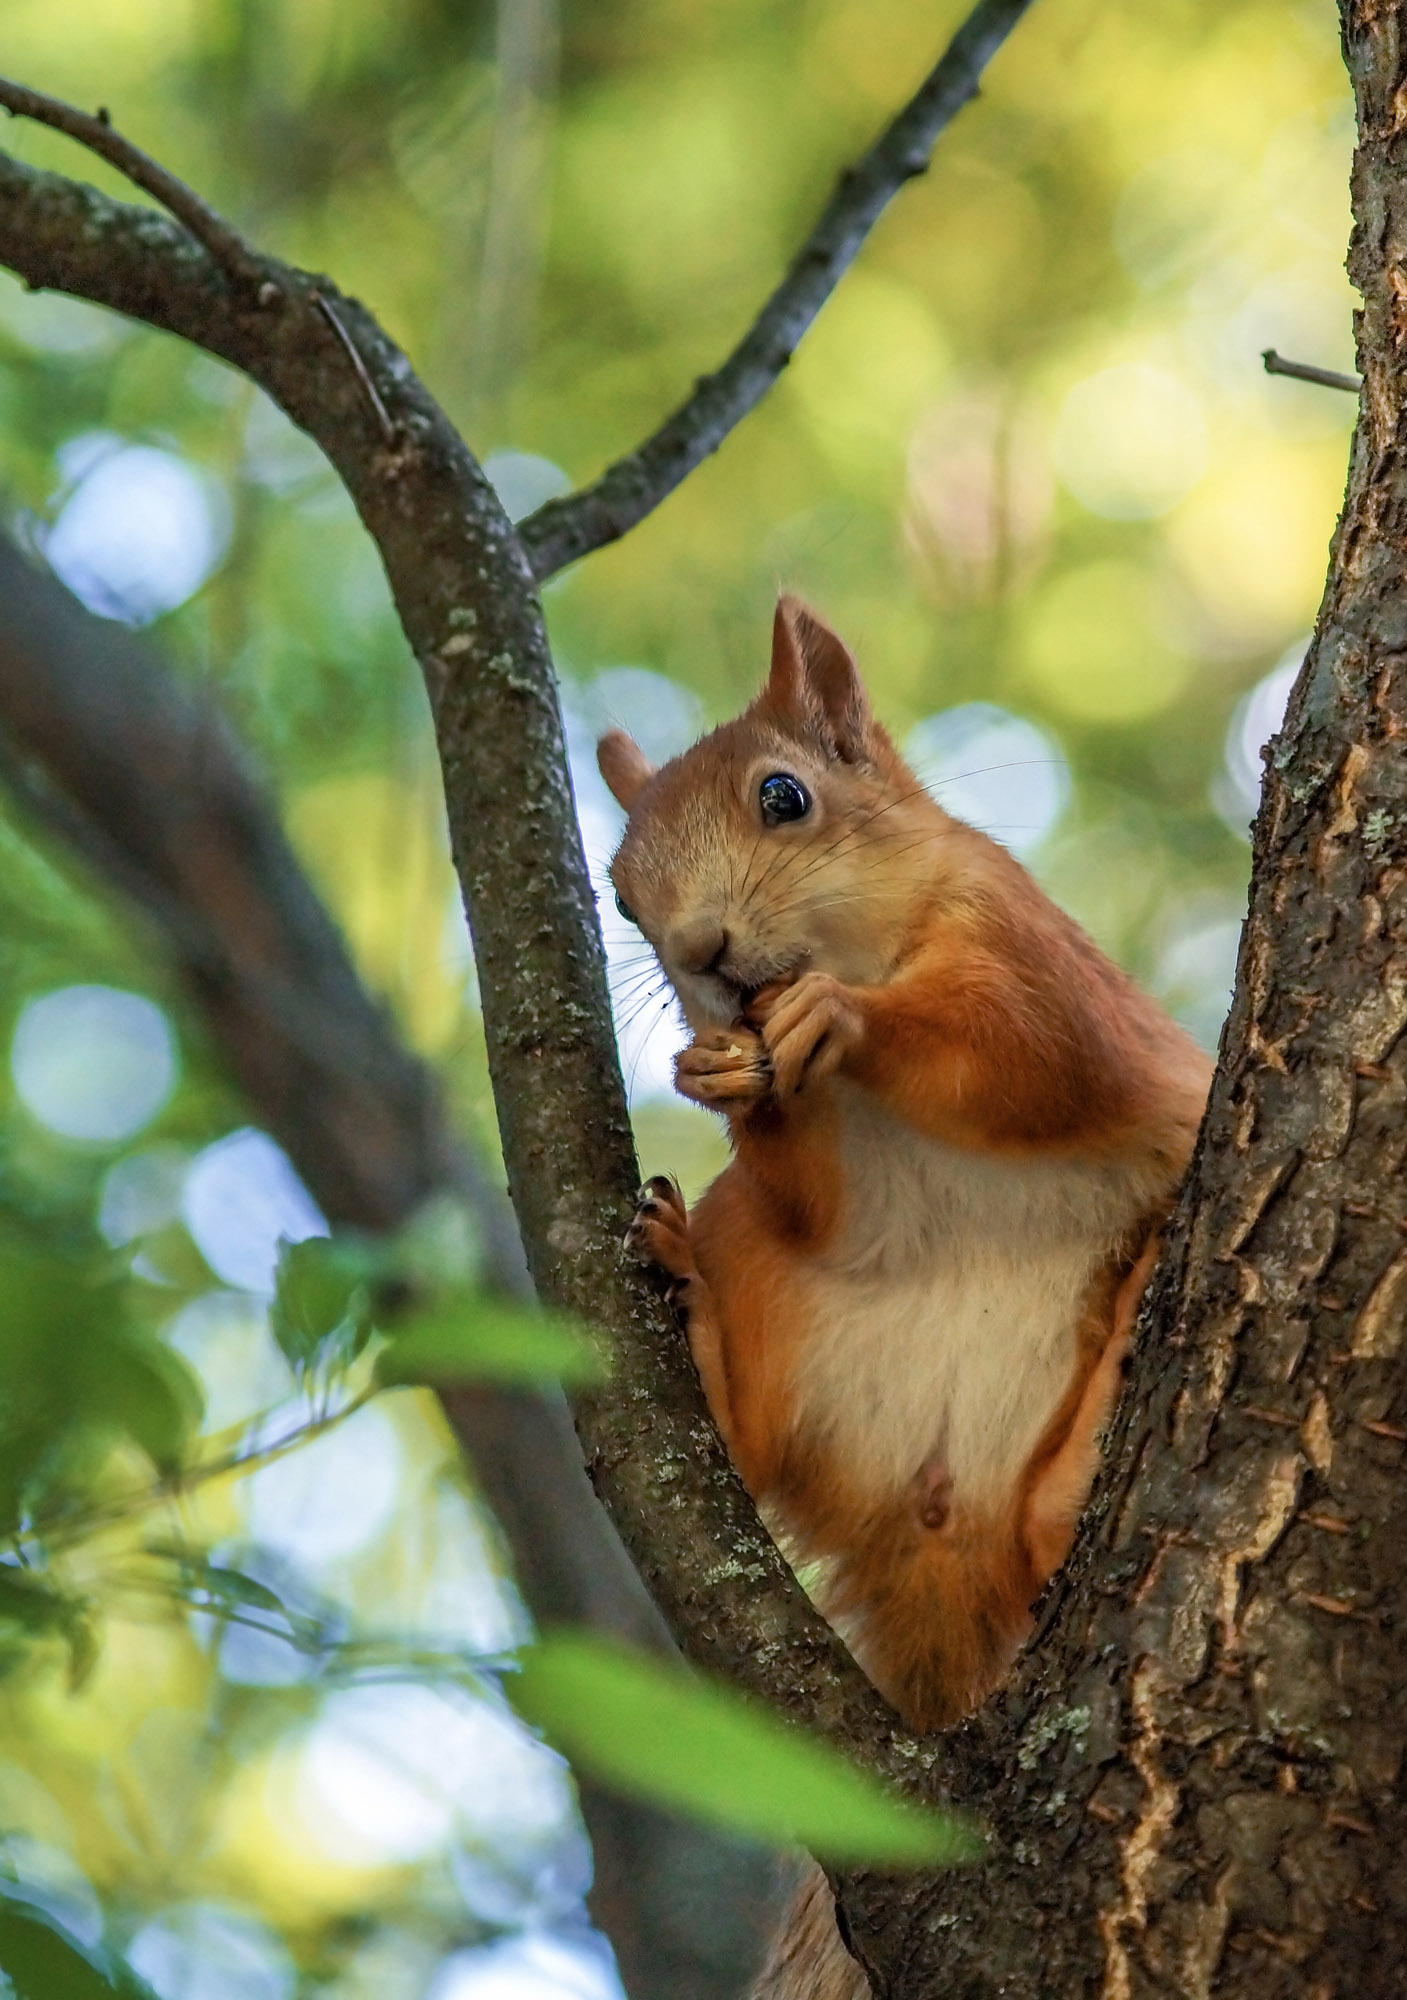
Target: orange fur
956,1127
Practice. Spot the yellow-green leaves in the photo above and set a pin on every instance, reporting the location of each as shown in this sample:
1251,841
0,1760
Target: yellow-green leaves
322,1307
78,1373
651,1728
42,1963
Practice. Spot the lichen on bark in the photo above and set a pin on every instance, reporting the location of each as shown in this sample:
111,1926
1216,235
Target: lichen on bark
1230,1823
1193,1781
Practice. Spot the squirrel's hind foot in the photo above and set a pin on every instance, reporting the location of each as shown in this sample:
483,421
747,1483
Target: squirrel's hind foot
659,1235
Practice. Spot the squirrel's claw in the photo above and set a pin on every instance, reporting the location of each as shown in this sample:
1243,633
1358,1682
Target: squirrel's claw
659,1234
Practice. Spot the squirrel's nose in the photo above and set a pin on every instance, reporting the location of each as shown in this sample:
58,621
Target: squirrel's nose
701,947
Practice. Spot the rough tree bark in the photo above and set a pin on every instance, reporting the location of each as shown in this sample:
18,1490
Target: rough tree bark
1196,1782
1192,1781
139,777
463,583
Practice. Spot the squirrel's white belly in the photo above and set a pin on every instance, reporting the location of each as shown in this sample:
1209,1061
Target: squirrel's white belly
944,1320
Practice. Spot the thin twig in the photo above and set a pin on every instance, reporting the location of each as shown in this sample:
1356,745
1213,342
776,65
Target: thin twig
634,486
63,1529
383,415
1305,371
219,237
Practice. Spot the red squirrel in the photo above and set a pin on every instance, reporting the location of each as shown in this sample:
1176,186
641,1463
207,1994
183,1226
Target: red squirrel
957,1129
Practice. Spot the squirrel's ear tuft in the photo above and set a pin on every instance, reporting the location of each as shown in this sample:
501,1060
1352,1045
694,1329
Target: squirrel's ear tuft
624,766
815,680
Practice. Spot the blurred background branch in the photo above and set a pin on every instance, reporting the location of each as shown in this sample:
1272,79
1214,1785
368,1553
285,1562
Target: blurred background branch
512,236
141,779
118,758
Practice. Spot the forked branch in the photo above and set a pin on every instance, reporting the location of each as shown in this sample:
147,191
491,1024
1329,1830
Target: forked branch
96,132
634,486
465,595
129,769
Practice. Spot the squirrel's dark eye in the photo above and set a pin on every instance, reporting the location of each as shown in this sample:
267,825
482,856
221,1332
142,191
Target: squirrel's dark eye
783,797
626,911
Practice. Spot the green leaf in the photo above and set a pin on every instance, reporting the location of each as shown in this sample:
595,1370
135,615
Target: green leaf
75,1367
229,1593
43,1963
34,1609
472,1338
651,1728
149,1390
27,1601
322,1291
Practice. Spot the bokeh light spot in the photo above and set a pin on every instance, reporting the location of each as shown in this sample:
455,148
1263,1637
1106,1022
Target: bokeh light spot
226,1338
202,1952
1257,717
1089,644
535,1967
1176,214
1197,964
1305,175
141,1194
139,534
1130,442
663,717
93,1062
49,323
1250,542
328,1500
993,769
871,363
242,1200
524,482
387,1772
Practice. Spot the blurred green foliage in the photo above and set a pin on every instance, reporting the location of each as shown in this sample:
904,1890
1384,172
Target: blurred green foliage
662,1733
1027,458
98,1442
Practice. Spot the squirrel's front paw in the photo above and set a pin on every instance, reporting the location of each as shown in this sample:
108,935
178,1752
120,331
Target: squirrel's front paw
724,1067
809,1028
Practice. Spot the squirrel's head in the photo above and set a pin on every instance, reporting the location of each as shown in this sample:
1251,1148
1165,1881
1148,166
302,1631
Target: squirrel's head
792,839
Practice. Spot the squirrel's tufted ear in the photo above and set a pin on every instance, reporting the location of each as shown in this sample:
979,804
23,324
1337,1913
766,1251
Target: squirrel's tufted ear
624,766
814,680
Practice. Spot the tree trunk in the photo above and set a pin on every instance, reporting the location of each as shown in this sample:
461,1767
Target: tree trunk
1204,1791
1192,1780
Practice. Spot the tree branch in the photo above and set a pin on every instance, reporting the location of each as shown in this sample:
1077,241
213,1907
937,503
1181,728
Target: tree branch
140,776
1208,1797
466,598
126,768
566,529
1307,371
224,242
